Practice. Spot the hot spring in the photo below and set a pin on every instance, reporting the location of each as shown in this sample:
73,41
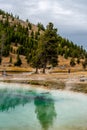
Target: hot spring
23,107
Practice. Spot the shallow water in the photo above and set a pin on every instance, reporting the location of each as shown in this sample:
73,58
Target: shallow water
27,108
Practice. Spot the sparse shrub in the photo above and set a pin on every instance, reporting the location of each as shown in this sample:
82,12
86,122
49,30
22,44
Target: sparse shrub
10,61
18,62
72,62
78,61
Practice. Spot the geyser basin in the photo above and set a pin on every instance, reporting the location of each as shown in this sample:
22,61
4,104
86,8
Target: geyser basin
28,108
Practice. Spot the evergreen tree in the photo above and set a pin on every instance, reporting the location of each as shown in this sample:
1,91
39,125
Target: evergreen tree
78,60
40,27
47,47
84,64
72,62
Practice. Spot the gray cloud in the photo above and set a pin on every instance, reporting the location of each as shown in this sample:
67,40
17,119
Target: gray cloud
69,16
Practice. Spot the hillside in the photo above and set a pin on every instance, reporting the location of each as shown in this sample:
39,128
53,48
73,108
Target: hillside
19,41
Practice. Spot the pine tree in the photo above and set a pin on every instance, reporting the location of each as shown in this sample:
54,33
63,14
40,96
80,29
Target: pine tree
78,60
47,48
72,62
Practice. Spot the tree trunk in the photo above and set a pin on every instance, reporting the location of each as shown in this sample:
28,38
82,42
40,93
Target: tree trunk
44,68
36,70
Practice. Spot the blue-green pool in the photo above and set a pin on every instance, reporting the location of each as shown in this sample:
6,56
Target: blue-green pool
26,108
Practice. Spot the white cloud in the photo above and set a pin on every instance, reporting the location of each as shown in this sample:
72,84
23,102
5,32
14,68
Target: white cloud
43,5
68,15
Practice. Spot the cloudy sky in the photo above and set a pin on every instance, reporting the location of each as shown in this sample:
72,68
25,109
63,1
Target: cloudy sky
68,16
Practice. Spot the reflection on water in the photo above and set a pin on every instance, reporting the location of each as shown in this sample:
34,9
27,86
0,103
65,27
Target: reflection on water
11,99
33,109
44,104
45,110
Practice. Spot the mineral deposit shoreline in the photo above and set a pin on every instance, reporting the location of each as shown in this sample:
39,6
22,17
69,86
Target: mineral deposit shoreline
74,81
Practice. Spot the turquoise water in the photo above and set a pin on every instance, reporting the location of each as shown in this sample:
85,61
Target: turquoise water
26,108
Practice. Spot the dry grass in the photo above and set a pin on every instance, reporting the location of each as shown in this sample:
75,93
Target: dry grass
19,69
16,69
64,65
10,66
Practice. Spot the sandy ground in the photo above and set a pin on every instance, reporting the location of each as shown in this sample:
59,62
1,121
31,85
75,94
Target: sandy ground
76,81
75,76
